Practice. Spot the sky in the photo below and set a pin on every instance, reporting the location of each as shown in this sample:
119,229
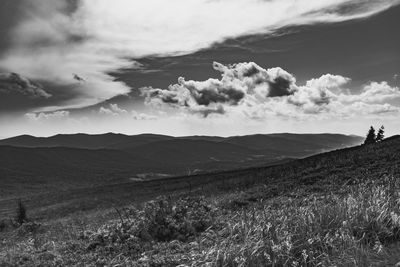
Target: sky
199,67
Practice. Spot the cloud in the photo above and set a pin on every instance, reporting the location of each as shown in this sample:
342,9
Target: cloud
237,81
52,116
379,92
328,81
142,116
93,38
260,93
11,83
115,111
112,115
318,93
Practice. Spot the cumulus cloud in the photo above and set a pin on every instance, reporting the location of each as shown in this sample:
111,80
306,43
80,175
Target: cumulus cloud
237,81
12,83
379,92
113,110
93,38
259,93
329,81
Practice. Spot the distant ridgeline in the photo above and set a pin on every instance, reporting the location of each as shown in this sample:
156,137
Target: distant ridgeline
82,159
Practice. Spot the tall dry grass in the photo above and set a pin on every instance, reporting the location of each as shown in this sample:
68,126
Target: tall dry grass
358,225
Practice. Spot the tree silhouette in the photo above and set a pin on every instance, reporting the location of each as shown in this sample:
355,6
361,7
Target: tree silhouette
381,134
371,136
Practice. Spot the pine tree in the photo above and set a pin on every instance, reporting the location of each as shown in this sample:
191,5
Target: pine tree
371,136
381,134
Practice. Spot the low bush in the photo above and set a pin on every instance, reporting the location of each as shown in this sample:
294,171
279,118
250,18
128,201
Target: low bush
162,220
165,220
28,228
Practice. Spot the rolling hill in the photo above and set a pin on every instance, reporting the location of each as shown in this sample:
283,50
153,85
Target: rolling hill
35,164
276,142
96,141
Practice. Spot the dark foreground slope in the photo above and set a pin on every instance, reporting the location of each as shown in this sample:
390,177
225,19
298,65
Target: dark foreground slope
334,209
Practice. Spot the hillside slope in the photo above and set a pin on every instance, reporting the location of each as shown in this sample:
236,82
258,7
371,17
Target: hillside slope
315,172
32,170
338,208
295,143
189,151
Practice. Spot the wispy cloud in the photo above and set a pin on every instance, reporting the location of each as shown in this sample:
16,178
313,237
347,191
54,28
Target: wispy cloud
52,116
93,38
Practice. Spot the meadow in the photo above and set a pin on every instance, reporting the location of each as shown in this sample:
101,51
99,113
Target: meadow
340,208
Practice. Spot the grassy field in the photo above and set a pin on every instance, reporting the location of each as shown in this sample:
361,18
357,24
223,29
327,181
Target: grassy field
335,209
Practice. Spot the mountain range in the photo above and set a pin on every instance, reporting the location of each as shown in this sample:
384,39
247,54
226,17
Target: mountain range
31,164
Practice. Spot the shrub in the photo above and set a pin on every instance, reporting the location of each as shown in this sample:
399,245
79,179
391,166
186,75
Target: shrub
29,228
161,220
164,220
